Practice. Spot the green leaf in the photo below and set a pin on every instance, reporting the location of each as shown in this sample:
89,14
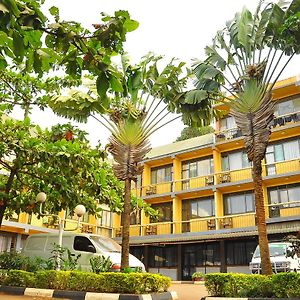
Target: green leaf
102,84
18,45
195,96
115,84
131,25
54,11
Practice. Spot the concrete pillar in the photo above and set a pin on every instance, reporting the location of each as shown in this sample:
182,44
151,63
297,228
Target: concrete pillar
19,242
177,215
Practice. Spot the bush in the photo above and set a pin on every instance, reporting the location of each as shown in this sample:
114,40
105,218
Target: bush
110,282
239,285
17,261
286,285
20,278
100,264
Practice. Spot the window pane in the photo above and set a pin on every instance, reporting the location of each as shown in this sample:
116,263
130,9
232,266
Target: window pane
278,150
249,202
235,161
294,193
204,208
291,150
204,167
194,209
283,196
193,169
273,194
225,163
245,161
285,107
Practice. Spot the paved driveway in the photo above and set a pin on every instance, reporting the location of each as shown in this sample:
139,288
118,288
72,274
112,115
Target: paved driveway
189,291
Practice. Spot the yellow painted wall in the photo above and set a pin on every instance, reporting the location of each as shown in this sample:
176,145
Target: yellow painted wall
177,214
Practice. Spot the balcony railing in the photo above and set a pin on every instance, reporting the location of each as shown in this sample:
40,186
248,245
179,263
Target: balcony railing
228,134
277,168
285,209
283,167
233,175
286,119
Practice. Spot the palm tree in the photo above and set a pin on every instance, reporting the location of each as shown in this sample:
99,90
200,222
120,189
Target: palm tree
241,67
134,108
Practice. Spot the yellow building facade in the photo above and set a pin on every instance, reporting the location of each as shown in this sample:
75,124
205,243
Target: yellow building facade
203,189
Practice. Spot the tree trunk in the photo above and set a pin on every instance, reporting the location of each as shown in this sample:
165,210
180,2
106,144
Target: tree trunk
261,218
2,210
126,226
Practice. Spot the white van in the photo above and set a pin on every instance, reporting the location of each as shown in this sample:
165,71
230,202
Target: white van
282,257
87,245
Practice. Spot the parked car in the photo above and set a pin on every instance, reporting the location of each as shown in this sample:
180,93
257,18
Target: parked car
283,258
87,245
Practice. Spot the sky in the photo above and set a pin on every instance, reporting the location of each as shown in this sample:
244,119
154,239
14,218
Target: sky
175,28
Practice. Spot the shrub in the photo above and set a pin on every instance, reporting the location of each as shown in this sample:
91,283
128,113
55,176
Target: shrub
198,275
239,285
100,264
20,278
286,285
110,282
17,261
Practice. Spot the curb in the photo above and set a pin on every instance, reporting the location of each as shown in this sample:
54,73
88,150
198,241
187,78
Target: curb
78,295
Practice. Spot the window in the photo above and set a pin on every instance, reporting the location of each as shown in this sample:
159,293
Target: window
285,194
198,208
287,106
235,161
162,256
197,168
239,203
165,212
161,174
283,151
227,123
105,219
81,243
239,252
201,254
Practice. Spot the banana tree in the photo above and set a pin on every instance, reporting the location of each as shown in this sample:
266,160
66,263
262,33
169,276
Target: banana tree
132,110
241,67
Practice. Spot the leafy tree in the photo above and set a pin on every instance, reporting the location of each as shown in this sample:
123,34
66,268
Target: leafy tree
36,44
68,170
241,67
132,110
191,132
24,90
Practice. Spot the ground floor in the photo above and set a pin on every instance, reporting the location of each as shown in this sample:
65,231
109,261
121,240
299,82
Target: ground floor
181,259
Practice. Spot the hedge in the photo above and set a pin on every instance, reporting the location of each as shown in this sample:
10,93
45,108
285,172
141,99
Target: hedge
110,282
282,285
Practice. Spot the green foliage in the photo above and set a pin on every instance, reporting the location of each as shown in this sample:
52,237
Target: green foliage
17,261
100,264
286,285
191,132
20,278
281,285
110,282
64,257
198,275
69,171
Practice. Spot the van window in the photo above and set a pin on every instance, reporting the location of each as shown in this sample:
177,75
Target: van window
106,244
275,250
81,243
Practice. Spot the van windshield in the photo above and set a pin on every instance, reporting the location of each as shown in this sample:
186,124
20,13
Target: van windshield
106,244
275,250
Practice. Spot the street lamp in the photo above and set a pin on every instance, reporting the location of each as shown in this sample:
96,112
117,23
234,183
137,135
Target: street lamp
79,211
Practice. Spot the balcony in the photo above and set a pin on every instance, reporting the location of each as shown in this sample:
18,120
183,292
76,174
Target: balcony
234,175
286,209
228,134
194,183
283,167
156,189
283,120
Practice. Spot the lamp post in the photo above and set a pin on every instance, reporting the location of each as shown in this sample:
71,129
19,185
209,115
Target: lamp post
79,211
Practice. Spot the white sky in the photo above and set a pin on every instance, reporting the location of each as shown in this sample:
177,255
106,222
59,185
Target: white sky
172,28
